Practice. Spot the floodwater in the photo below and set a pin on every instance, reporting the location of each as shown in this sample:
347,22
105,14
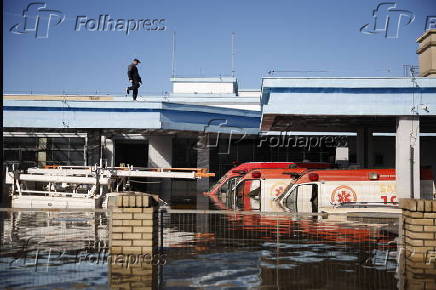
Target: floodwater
46,250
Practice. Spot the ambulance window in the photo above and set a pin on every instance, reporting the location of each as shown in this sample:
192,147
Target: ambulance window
307,198
223,188
291,201
254,189
254,195
231,192
230,185
240,195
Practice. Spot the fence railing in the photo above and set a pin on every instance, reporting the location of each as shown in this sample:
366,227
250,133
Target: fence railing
199,248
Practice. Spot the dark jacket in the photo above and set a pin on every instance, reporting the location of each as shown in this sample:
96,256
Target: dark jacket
133,74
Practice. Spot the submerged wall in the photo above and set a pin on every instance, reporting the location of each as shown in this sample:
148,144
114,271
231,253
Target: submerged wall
133,241
419,243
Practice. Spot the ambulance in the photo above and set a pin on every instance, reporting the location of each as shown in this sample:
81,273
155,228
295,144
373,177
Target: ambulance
232,176
258,189
353,190
254,204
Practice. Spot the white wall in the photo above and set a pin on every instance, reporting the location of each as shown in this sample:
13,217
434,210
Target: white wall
203,88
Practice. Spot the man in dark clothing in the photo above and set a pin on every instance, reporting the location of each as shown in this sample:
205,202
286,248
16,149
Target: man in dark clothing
134,78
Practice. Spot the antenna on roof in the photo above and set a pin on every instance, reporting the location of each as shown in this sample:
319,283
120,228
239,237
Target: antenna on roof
173,56
410,70
233,54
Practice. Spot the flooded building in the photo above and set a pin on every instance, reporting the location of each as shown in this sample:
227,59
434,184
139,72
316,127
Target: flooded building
212,123
203,122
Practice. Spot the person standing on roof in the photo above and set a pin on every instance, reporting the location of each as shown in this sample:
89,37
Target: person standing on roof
134,78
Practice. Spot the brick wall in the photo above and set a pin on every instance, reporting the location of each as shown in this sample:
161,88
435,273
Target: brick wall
133,241
419,243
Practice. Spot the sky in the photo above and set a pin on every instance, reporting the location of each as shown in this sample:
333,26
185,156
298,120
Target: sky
293,38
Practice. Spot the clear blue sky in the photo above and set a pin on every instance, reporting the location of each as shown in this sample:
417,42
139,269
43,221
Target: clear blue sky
270,35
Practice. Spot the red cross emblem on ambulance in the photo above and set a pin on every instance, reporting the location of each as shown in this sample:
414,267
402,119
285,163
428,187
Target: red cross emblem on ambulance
343,194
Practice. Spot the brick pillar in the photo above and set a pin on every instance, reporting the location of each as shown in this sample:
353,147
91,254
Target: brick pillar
133,241
418,235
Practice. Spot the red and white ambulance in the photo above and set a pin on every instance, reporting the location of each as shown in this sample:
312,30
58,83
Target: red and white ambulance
232,176
348,191
261,191
301,190
258,189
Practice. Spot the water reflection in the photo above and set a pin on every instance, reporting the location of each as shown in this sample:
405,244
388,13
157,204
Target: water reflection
51,249
279,252
54,249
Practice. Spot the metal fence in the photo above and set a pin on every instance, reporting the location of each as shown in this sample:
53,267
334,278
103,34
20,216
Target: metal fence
234,249
205,249
49,248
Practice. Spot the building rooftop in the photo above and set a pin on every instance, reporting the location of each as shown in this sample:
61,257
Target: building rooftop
317,104
204,79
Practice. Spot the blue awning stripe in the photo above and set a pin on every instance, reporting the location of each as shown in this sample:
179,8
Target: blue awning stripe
329,90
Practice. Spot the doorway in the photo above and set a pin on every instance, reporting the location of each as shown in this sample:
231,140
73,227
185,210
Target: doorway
131,152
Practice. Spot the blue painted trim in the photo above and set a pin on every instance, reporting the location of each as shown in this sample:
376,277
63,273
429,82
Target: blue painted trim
251,119
330,90
211,119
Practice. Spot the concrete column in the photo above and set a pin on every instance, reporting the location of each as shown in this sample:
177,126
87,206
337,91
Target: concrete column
108,152
203,183
202,221
160,155
407,160
42,152
93,147
364,148
160,151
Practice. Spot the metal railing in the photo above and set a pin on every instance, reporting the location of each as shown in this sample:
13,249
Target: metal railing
204,248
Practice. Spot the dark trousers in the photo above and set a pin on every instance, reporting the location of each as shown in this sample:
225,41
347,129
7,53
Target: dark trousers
134,88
